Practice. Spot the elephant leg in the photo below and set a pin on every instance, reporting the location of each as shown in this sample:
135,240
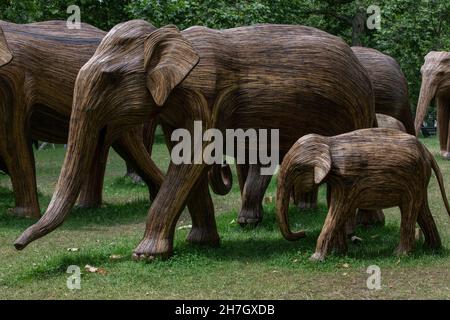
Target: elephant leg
242,174
148,135
333,236
132,174
166,209
443,118
369,218
428,226
201,209
252,196
409,212
306,200
130,146
3,166
19,160
92,189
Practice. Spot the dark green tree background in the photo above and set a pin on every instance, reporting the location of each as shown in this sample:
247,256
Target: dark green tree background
409,28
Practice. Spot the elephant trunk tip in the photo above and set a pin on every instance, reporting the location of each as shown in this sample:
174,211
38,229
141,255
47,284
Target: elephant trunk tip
24,239
29,235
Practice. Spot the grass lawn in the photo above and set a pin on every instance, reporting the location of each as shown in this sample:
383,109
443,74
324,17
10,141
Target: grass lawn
250,263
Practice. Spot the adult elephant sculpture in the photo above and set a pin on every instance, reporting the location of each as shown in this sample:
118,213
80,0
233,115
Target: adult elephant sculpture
264,76
39,63
391,98
436,85
390,86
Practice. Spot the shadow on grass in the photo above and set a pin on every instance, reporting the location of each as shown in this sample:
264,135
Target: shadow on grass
107,215
263,244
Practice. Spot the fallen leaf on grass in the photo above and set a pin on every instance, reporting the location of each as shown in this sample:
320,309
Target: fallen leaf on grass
92,269
115,257
345,265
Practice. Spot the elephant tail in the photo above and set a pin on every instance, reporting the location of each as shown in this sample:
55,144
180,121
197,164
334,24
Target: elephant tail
439,178
220,179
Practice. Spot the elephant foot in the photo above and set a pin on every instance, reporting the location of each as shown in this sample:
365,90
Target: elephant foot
432,242
26,212
88,205
151,249
250,217
445,155
369,218
305,204
317,257
403,250
306,200
203,236
134,177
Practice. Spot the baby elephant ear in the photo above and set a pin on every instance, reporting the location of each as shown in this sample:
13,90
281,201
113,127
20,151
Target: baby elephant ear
322,165
5,53
168,59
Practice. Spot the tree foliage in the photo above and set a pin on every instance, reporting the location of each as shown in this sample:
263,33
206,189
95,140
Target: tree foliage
409,28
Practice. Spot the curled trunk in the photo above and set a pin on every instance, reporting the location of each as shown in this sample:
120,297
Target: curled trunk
286,182
220,178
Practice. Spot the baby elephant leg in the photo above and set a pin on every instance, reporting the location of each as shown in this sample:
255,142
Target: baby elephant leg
428,226
333,235
409,212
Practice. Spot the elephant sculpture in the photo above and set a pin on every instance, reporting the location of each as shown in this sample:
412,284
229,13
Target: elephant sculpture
390,86
391,98
263,76
385,121
371,169
39,63
436,85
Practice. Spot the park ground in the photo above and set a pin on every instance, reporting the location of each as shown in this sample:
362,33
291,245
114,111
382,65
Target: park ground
250,263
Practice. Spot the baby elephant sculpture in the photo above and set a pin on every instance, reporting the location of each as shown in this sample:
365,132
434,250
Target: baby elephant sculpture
371,169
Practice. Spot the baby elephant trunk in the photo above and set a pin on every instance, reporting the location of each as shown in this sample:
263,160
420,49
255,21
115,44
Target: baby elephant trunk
306,165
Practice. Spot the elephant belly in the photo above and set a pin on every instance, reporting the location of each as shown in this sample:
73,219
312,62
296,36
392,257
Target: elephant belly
47,125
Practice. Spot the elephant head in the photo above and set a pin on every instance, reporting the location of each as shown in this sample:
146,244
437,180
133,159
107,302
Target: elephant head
435,77
126,82
5,53
306,165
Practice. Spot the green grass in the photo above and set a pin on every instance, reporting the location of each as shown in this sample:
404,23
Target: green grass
249,264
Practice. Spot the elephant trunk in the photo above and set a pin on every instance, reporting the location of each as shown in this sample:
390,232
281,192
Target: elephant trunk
220,179
286,178
83,139
427,93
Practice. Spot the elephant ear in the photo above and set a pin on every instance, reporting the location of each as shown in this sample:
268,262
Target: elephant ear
5,54
168,59
322,162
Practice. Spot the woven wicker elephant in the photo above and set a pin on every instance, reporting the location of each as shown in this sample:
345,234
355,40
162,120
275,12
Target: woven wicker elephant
391,98
436,85
226,79
370,169
39,63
